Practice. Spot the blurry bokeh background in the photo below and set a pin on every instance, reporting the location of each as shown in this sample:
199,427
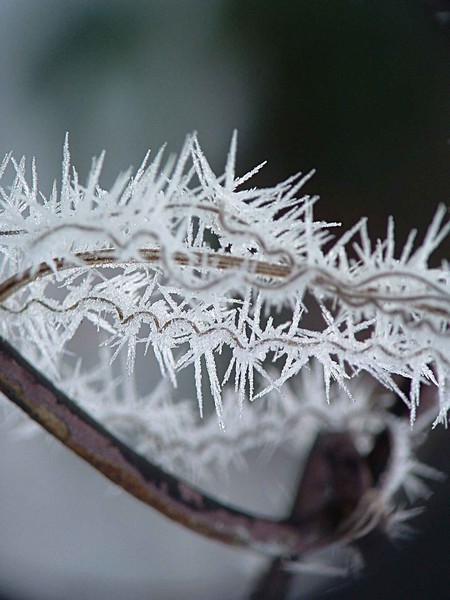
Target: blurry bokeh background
358,90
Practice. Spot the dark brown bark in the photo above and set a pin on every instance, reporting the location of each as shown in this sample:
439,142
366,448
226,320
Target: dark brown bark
332,485
64,419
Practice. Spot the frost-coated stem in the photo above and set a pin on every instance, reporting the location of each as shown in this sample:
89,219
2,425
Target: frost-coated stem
103,258
353,295
206,263
60,416
205,268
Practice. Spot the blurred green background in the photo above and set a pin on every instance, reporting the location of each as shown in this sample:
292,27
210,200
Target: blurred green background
357,90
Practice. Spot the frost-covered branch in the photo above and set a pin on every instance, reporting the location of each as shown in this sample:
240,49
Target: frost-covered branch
220,278
66,421
323,513
206,263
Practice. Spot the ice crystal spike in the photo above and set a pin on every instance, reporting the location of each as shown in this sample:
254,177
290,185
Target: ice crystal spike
204,262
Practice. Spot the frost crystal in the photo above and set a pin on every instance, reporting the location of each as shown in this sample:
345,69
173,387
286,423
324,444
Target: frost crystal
193,265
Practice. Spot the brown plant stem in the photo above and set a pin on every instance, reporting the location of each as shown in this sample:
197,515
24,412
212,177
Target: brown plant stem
65,420
436,301
102,258
333,483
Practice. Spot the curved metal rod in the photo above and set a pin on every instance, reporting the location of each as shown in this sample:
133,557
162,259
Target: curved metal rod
64,419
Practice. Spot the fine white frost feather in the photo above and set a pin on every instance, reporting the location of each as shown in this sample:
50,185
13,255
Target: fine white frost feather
192,264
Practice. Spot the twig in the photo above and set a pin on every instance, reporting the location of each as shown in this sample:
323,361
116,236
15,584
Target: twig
334,481
65,420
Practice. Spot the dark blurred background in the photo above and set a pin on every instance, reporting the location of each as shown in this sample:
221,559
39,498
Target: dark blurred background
357,89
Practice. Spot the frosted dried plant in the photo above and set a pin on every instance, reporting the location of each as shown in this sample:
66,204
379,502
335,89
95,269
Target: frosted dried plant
192,266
